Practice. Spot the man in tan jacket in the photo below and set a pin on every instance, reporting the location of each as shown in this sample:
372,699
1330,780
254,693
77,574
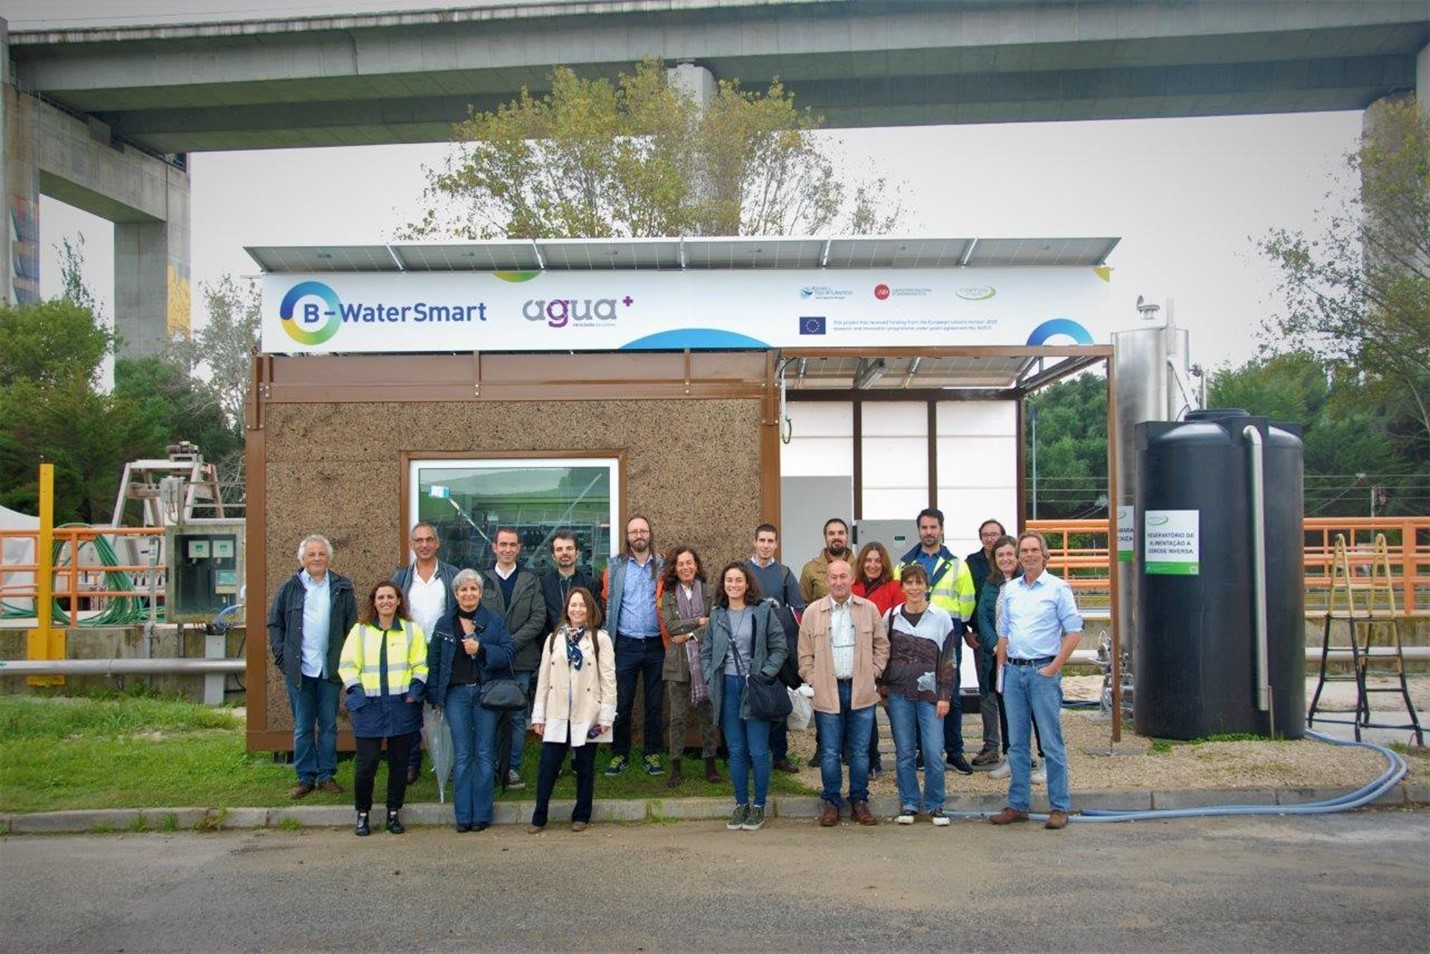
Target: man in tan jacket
842,651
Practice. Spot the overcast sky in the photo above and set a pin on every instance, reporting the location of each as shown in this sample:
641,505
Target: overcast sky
1188,197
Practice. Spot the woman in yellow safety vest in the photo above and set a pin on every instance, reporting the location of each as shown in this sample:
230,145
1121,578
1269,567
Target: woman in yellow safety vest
384,667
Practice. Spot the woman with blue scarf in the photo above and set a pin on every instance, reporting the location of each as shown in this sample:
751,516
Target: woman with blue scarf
575,704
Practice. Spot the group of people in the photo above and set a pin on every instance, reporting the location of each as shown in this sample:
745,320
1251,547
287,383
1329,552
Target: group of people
857,630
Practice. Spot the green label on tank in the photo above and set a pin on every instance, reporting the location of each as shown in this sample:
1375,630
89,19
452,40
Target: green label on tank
1173,569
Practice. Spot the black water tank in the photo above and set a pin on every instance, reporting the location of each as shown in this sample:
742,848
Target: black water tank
1196,636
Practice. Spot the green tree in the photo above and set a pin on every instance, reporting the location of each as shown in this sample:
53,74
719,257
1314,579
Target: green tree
222,350
51,342
176,405
1359,295
1347,444
638,157
1071,450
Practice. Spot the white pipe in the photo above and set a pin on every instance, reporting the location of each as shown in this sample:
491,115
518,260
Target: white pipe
1258,565
119,667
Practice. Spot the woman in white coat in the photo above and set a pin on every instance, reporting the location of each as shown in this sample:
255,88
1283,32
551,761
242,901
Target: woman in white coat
575,704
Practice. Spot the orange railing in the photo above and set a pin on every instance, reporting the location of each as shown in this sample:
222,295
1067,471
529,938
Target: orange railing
87,568
1079,553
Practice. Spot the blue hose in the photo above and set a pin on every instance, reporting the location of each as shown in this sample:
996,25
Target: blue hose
1394,772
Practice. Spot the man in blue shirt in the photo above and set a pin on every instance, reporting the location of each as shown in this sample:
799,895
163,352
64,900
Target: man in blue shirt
307,622
1038,629
634,620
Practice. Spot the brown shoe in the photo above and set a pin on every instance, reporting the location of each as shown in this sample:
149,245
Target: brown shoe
859,811
331,786
785,765
712,774
828,814
535,829
580,826
1056,820
301,790
1008,816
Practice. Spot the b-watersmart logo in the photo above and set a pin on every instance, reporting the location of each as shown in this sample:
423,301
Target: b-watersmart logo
312,312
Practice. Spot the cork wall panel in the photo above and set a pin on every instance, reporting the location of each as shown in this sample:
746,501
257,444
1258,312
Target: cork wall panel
692,467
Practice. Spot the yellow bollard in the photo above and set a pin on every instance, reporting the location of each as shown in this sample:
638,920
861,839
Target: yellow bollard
44,641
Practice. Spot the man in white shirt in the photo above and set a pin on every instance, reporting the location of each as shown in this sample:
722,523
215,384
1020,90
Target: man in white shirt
843,649
426,583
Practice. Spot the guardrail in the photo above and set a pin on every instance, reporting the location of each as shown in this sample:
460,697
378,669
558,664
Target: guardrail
1079,554
93,586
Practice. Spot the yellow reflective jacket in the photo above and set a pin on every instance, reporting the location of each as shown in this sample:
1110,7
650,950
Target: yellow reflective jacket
950,583
362,651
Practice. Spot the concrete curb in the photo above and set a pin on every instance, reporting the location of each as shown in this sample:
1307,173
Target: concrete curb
197,819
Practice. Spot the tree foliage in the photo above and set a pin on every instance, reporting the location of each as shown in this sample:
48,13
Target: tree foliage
1072,448
51,342
50,353
225,345
639,157
1359,295
1348,441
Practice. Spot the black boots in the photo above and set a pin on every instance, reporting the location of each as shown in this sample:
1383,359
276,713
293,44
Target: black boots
674,778
393,825
362,830
712,774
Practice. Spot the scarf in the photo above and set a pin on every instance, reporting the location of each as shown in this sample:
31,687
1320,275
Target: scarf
692,606
574,657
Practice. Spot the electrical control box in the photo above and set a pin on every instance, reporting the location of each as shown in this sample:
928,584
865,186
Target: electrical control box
205,569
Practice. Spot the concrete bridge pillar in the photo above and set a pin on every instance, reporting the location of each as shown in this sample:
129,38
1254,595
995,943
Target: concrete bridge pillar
20,188
79,161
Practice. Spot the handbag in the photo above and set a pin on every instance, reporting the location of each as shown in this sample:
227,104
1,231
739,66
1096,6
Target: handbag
765,697
503,694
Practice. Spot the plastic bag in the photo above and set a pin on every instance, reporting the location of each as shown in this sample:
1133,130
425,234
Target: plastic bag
801,713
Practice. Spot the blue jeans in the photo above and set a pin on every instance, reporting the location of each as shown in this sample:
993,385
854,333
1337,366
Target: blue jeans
314,702
916,723
518,721
634,658
953,722
857,725
474,743
748,740
1027,695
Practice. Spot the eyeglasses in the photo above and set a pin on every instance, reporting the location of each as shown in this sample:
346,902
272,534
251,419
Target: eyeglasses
424,539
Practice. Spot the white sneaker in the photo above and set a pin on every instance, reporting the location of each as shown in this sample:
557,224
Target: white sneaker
939,819
1002,771
905,817
1039,777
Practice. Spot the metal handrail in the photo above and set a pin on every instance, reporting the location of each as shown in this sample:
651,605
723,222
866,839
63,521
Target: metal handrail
1410,564
72,578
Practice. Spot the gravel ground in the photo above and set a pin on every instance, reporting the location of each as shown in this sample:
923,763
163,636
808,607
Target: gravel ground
1305,763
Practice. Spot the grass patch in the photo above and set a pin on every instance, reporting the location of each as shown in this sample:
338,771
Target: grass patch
289,823
1234,737
140,751
1162,746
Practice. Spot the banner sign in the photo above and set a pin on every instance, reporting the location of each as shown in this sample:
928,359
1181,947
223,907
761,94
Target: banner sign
1171,542
637,310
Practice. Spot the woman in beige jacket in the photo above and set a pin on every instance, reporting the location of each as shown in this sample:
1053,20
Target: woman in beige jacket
575,704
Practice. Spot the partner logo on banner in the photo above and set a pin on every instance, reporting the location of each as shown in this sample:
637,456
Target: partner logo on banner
558,312
312,312
884,292
825,292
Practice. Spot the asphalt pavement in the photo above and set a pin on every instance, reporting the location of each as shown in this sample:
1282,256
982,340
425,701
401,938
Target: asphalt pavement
1356,881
